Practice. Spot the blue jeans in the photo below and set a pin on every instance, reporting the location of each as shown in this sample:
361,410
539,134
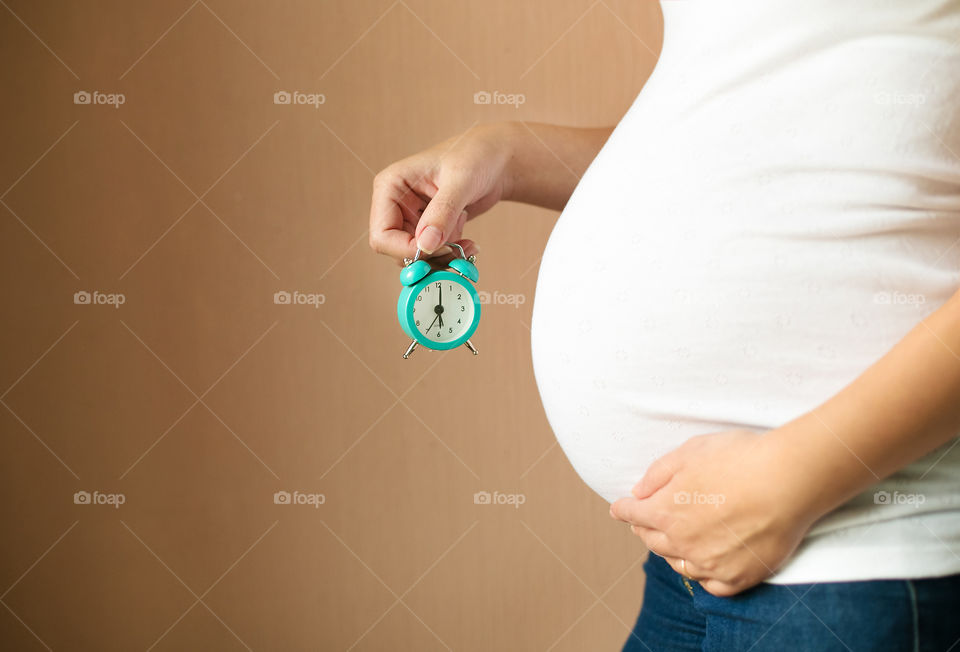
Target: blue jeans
920,615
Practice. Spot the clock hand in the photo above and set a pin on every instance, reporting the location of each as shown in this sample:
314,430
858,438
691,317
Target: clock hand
439,308
432,323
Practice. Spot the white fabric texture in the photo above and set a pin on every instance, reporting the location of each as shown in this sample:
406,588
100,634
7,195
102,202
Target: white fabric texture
778,208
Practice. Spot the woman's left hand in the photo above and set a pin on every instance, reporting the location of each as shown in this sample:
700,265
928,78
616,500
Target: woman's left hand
728,504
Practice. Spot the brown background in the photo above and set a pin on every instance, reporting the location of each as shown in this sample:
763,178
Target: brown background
197,399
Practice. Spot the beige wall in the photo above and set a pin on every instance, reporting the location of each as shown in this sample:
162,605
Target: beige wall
199,397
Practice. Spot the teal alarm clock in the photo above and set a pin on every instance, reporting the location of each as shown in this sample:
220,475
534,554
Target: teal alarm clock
439,308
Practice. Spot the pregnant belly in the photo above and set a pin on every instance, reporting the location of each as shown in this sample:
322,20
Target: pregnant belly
701,324
715,269
628,370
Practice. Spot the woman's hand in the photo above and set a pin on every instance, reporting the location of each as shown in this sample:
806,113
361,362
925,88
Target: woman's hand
728,504
425,200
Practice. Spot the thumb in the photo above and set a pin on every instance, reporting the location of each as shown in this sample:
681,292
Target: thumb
439,219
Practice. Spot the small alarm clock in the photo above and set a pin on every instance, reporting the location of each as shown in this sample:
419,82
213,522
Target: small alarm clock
439,308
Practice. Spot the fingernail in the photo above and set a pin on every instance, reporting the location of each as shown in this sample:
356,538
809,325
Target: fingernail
430,239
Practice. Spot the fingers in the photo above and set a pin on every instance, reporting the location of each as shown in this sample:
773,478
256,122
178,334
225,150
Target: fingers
394,210
403,218
686,568
636,512
708,579
443,215
720,589
656,542
659,544
657,476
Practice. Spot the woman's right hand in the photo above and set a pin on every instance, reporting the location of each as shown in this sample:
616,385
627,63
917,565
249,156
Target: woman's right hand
425,200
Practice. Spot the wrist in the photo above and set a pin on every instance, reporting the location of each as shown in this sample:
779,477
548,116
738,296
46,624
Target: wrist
799,483
509,138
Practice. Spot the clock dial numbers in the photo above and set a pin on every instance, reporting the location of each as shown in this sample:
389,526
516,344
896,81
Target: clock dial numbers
443,310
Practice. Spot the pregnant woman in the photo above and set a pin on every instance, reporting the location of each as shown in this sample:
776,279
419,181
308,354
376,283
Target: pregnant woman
766,381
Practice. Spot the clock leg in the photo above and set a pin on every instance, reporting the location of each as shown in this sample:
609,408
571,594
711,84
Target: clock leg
410,349
470,346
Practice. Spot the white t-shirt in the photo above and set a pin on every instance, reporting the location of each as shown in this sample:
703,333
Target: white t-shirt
778,208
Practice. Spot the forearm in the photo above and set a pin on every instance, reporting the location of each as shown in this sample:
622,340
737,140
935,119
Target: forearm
547,161
901,408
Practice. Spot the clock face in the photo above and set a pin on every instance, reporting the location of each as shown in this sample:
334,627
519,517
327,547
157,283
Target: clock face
443,311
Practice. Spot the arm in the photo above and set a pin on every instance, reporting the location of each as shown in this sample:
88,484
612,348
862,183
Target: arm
548,161
425,200
901,408
776,485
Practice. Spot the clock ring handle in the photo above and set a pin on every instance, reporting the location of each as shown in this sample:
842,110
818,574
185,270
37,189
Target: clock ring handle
459,248
408,261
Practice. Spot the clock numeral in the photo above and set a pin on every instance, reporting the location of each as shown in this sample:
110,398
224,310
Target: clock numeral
463,308
418,322
459,297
